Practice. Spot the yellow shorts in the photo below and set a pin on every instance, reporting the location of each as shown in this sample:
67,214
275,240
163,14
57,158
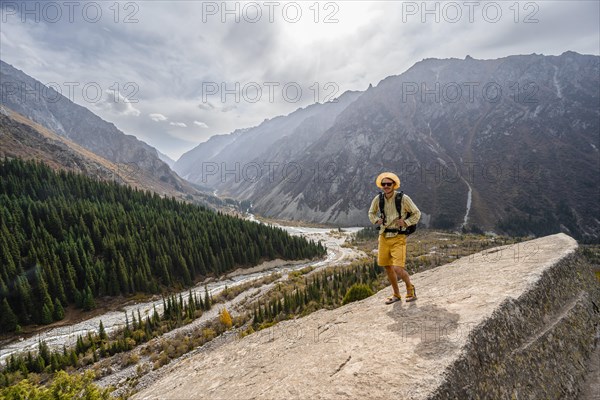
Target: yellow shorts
392,251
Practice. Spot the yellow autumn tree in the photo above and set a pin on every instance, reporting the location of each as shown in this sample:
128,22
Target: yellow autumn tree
225,318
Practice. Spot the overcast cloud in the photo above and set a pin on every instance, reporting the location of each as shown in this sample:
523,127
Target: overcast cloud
174,73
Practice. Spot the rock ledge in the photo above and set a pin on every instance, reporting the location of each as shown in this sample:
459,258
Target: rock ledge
515,321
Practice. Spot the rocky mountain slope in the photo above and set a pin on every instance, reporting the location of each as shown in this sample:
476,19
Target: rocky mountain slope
30,98
22,138
509,145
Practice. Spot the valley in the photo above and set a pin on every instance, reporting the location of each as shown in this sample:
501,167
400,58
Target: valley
67,335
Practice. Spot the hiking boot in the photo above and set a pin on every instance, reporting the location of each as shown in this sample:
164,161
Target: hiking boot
411,294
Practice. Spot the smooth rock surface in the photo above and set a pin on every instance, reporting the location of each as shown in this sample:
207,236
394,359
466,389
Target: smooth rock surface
371,350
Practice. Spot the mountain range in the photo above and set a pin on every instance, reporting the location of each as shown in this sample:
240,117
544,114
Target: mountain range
508,145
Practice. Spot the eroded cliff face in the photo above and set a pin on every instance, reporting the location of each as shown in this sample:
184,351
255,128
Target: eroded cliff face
511,322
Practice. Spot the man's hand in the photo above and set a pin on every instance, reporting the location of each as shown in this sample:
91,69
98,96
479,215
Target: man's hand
379,221
400,222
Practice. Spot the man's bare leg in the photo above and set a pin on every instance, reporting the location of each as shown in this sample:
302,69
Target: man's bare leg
402,274
393,279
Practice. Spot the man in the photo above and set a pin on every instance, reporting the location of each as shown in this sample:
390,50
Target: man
392,234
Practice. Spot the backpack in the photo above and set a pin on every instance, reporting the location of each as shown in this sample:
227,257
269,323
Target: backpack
398,200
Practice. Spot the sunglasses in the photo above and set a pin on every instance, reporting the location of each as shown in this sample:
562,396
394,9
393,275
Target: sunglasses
387,183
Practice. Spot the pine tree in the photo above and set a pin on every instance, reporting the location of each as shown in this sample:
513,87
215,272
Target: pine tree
73,360
44,352
207,302
59,311
8,319
134,324
102,332
126,331
155,316
88,300
199,302
46,316
79,347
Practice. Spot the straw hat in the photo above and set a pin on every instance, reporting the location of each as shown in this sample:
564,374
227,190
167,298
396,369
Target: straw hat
389,175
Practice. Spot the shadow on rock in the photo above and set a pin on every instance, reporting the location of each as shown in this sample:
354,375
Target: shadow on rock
430,330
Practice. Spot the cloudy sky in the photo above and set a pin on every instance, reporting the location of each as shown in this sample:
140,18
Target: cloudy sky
174,73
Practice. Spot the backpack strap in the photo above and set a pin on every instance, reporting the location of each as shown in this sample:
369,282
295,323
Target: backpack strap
398,201
412,228
382,206
399,205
